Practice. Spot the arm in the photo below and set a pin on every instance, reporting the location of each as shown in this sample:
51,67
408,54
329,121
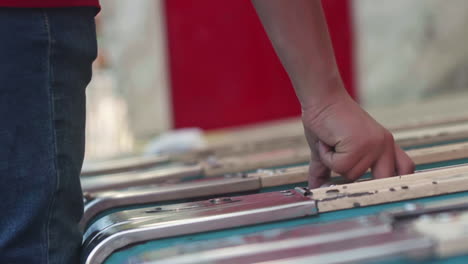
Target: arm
300,37
342,137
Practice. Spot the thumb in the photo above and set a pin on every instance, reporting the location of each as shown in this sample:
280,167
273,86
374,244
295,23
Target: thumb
319,173
325,153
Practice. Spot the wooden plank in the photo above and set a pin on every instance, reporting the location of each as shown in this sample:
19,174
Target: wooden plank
125,180
432,135
420,156
123,164
424,184
345,196
301,154
413,137
213,167
253,161
431,112
415,115
405,138
243,147
439,153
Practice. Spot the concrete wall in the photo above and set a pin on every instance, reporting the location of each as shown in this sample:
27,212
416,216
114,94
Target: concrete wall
128,98
408,50
133,33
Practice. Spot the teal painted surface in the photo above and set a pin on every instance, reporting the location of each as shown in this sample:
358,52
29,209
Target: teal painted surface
122,256
401,260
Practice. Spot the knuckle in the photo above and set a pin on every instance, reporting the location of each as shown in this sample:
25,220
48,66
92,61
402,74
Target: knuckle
382,137
376,139
365,144
389,137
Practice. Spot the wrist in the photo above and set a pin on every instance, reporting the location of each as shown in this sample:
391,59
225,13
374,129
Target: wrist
322,95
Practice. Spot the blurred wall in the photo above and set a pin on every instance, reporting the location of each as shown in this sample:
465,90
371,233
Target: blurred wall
409,50
108,131
128,98
133,34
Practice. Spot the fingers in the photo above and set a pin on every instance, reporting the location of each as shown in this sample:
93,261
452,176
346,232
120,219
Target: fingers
349,142
385,160
319,174
385,165
326,154
403,163
350,166
359,169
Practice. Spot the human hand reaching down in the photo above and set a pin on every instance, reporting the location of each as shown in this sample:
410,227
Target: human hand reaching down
341,135
345,139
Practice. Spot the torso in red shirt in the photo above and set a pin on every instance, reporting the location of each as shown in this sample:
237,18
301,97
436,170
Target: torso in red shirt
48,3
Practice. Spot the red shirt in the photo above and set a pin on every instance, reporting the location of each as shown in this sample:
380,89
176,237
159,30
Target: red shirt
48,3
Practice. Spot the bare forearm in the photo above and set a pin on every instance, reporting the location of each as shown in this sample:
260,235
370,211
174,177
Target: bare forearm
298,31
342,137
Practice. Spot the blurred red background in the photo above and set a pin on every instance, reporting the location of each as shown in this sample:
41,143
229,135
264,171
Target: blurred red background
224,71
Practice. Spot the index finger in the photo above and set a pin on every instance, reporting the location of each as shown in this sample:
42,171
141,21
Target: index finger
318,174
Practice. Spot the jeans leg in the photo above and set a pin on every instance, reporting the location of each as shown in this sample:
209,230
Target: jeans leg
45,65
72,51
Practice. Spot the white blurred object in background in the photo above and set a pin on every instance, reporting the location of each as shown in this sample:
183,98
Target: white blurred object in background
134,36
128,98
177,141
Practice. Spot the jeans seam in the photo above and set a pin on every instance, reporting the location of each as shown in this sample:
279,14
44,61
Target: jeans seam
49,82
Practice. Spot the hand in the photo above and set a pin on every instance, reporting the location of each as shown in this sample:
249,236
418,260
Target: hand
347,140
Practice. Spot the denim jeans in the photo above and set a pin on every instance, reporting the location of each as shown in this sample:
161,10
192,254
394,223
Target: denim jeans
45,65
